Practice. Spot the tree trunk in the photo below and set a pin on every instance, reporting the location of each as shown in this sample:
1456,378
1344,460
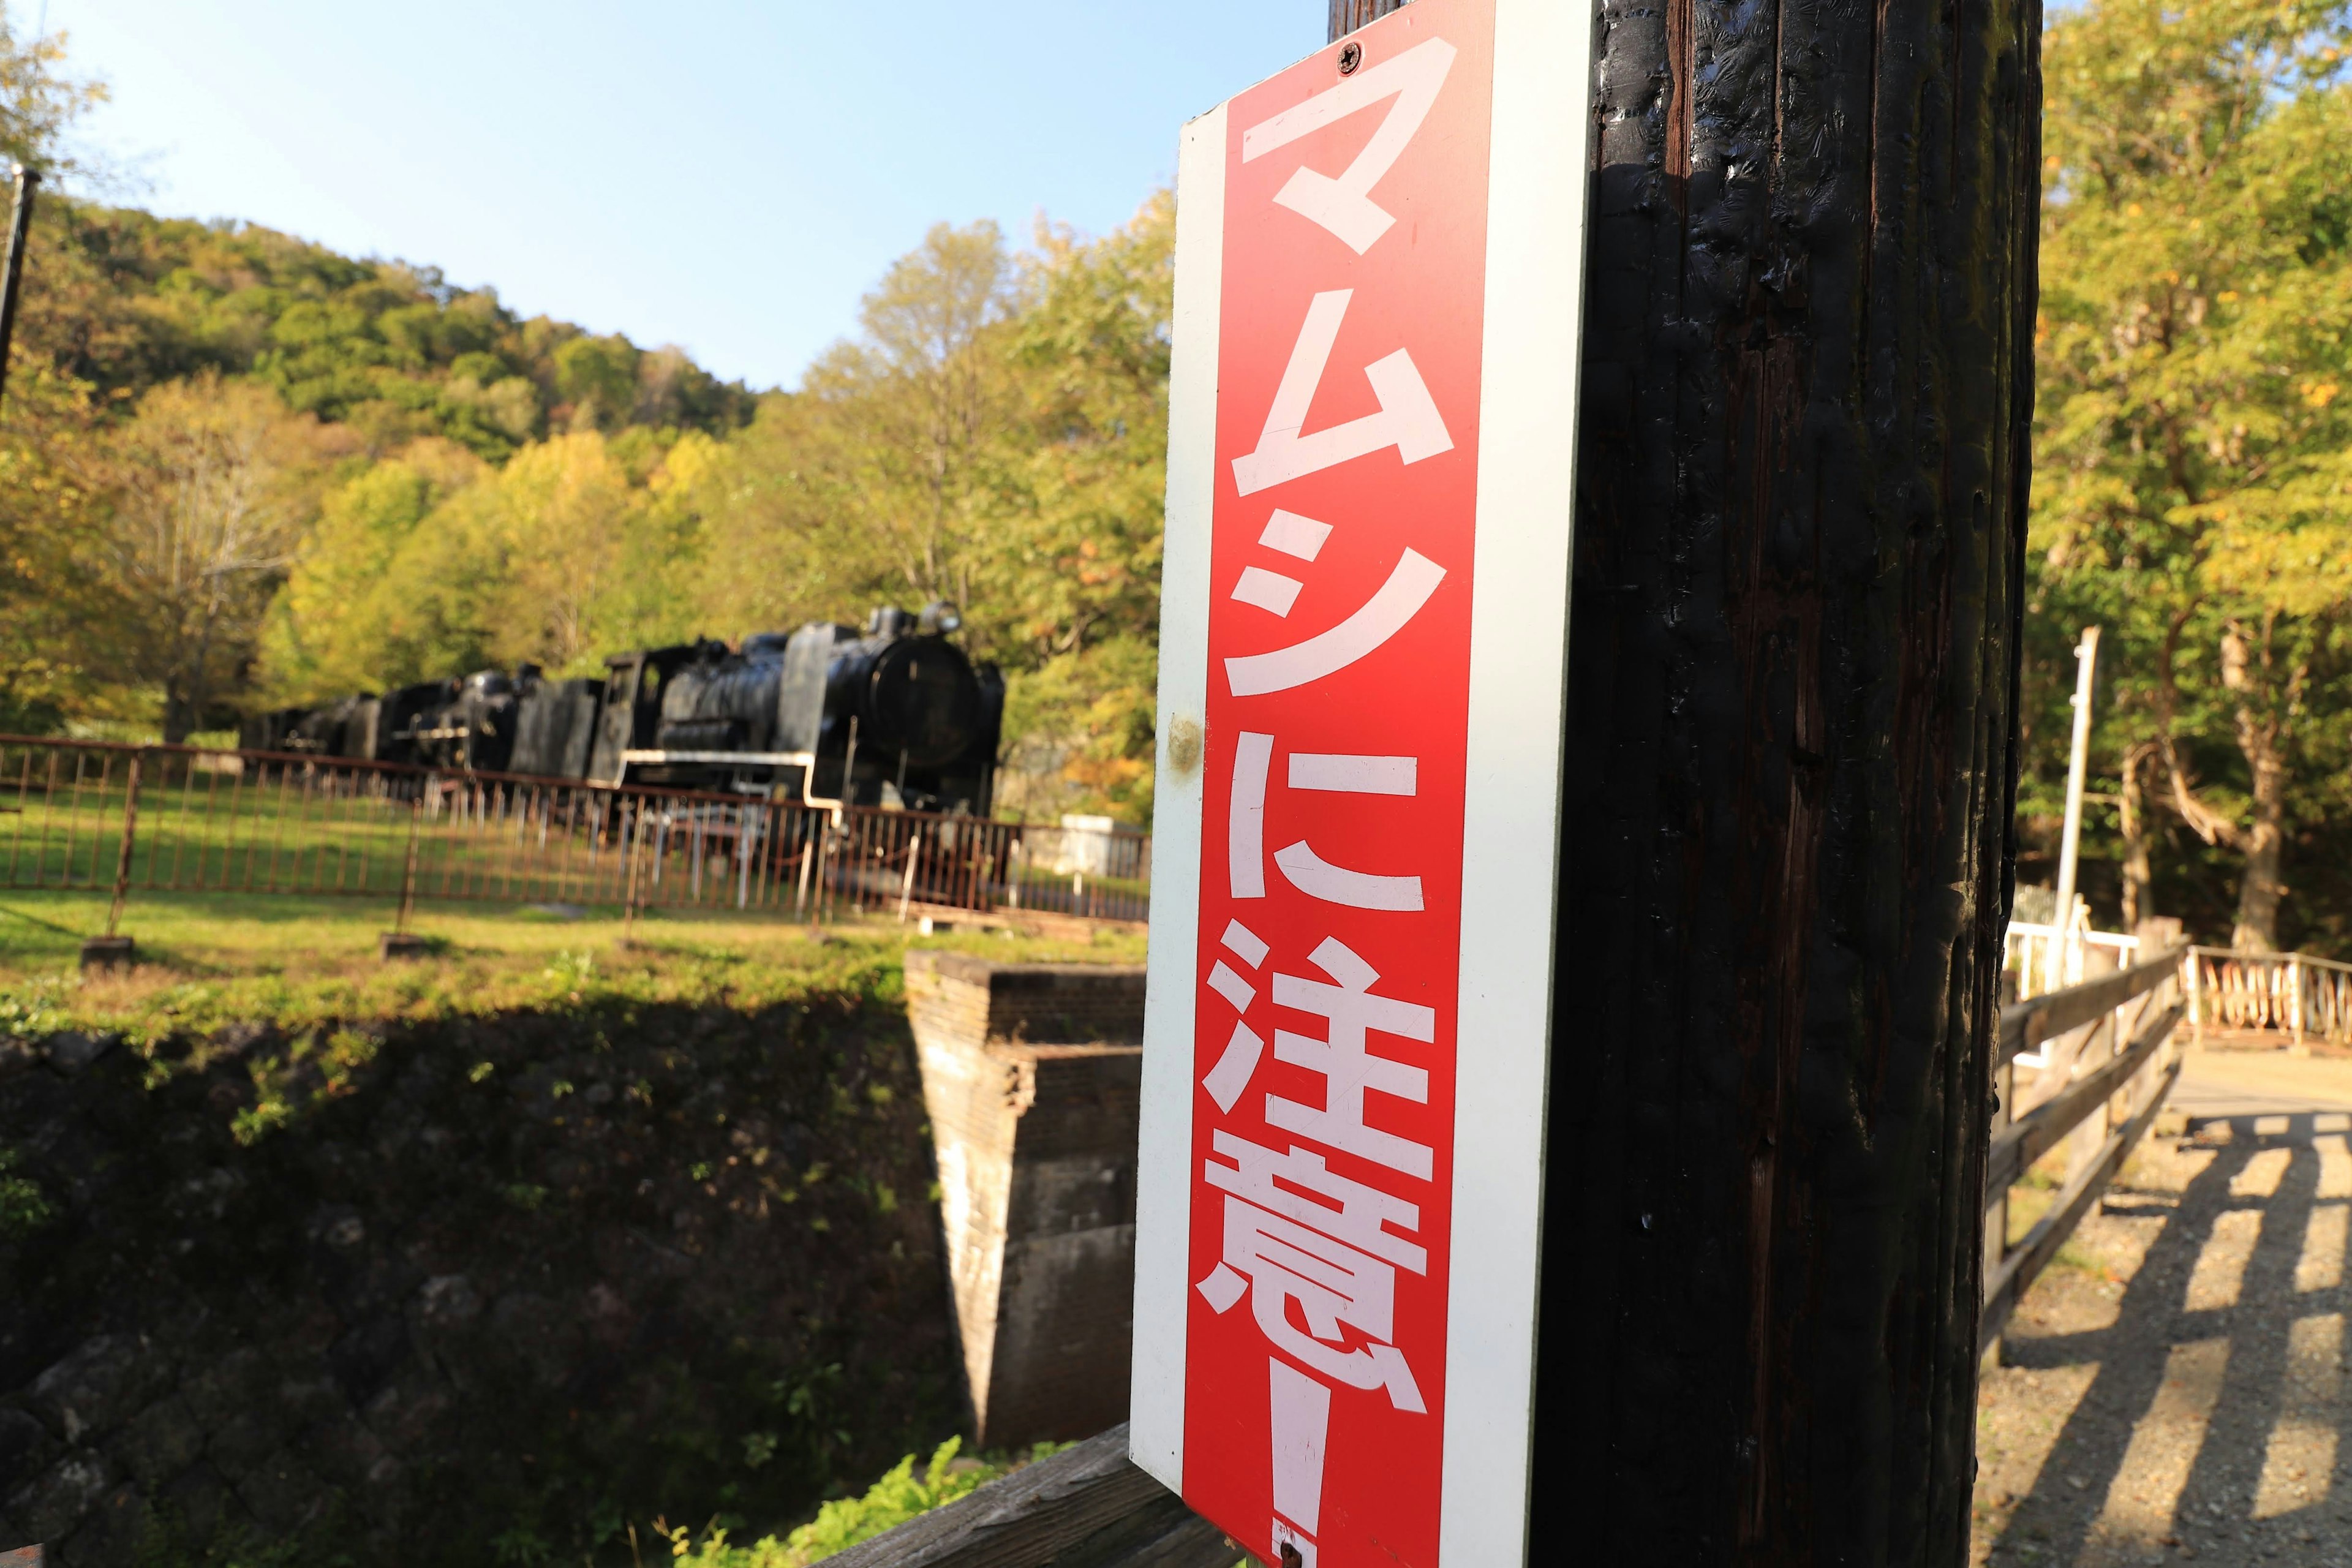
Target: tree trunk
2247,672
180,718
2139,881
2265,837
1801,522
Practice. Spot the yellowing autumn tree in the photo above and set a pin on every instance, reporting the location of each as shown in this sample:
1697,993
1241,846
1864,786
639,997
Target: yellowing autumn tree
197,503
345,621
2193,487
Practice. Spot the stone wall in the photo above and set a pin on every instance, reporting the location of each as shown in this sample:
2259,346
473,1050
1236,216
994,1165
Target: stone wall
1032,1073
471,1291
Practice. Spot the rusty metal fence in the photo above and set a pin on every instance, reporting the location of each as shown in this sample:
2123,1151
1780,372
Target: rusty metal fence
106,818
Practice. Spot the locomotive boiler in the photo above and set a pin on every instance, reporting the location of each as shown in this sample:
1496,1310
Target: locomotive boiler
892,715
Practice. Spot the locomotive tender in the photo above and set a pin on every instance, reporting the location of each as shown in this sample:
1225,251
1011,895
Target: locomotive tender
894,714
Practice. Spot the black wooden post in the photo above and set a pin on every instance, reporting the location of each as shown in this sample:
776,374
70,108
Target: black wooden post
1800,514
1346,15
130,841
20,228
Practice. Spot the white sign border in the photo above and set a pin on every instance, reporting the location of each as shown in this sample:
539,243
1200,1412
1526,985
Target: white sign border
1163,1214
1536,198
1518,660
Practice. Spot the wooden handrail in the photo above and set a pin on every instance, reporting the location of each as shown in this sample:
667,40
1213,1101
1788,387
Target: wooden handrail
2232,955
1085,1507
2025,1025
2032,1134
2029,1257
1088,1507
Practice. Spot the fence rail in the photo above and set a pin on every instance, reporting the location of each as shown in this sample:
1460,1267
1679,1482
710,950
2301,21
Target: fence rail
2046,958
2106,1063
98,816
2111,1051
2291,994
1085,1507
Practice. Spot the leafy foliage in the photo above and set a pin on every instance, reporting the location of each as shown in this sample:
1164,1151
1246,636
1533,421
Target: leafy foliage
995,437
24,1207
2194,481
841,1523
123,301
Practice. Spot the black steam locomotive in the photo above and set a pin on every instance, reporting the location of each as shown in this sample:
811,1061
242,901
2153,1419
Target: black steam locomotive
893,715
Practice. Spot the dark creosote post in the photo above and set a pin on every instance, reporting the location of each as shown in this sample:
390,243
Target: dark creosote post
1792,760
1346,15
11,279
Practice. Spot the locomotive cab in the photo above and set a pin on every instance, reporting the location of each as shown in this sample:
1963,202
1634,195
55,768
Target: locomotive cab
473,728
555,725
630,713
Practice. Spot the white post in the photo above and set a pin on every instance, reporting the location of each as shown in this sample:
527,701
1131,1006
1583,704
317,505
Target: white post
907,888
2195,974
2295,995
2086,664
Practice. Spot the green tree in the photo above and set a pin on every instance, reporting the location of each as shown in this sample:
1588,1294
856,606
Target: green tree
598,377
2192,488
345,620
995,437
43,512
882,477
197,502
432,564
1074,578
39,103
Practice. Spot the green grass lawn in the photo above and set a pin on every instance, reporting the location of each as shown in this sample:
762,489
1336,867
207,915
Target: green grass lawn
207,960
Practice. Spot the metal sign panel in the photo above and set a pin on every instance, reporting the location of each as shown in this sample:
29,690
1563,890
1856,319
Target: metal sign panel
1363,648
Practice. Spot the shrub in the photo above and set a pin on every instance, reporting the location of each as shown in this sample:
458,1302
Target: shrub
897,1498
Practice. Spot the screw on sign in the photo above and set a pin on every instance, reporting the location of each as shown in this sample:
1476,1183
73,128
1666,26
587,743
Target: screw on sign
1363,643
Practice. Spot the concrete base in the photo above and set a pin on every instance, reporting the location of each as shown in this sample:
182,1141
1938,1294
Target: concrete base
406,944
109,952
1030,1075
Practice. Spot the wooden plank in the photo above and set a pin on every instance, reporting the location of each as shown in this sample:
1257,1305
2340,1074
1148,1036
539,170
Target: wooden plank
23,1557
1087,1507
2025,1025
2035,1134
2028,1259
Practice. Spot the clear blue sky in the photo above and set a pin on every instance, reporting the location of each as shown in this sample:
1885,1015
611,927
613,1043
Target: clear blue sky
725,174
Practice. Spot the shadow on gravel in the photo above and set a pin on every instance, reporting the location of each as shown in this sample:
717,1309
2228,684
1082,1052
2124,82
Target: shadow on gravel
2135,1476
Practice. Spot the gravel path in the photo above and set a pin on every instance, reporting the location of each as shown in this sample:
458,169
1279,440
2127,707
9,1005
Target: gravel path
2175,1388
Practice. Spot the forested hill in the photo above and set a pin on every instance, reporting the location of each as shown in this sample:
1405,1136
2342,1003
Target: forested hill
239,471
125,300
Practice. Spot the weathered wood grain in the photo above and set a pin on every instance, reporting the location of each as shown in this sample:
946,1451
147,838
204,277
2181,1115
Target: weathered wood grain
1346,15
2041,1242
2025,1025
1800,508
1087,1507
2036,1133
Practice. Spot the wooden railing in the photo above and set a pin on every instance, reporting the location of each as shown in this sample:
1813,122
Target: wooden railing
2044,958
1087,1507
2291,994
2110,1060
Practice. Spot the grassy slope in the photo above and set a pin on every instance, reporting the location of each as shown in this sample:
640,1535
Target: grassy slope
213,960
